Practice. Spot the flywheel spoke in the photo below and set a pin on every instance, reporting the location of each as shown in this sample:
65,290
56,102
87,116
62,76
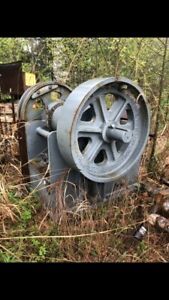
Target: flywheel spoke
87,127
118,109
114,150
92,149
100,109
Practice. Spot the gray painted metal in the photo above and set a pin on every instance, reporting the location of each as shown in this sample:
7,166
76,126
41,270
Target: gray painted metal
35,100
88,141
44,160
102,158
46,165
42,131
24,96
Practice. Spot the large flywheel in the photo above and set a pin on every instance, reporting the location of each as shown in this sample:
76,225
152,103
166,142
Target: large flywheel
39,99
103,128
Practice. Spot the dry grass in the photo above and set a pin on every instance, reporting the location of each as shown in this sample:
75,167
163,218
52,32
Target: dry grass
7,209
102,233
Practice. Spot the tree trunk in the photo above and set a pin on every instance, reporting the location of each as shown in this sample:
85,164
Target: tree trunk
139,46
152,162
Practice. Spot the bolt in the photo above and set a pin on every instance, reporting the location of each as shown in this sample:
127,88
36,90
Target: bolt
113,126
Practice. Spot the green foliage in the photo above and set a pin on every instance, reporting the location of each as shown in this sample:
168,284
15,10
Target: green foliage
10,50
74,60
42,251
26,210
142,247
26,214
5,257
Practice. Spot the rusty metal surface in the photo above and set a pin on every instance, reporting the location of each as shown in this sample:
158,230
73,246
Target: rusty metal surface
23,151
11,78
8,112
8,121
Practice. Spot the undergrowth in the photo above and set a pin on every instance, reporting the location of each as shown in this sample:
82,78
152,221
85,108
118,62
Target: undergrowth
93,234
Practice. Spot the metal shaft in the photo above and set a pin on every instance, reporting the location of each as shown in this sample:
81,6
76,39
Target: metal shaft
119,134
43,132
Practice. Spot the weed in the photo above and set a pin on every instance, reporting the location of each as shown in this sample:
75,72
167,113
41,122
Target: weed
141,248
26,215
5,257
42,251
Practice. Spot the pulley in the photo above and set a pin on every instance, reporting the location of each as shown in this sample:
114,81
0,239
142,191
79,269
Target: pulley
106,130
36,100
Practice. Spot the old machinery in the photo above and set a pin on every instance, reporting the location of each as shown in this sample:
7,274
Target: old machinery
88,141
